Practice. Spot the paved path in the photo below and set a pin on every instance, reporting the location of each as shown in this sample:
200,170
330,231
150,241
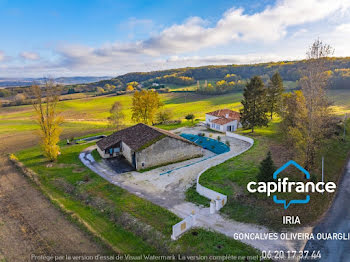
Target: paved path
336,220
168,191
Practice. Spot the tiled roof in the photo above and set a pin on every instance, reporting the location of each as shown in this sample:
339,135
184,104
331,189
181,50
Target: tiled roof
137,137
222,121
225,113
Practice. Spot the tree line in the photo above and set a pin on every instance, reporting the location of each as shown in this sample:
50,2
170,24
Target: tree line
306,117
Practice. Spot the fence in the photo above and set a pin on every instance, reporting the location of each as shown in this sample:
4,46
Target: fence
220,199
244,138
183,226
211,194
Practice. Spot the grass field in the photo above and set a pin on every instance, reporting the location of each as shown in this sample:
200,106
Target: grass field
116,215
91,113
232,176
102,205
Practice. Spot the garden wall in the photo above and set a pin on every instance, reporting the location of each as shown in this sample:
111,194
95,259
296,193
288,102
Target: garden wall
220,199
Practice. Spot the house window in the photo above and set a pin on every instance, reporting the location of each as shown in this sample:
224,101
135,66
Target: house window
143,164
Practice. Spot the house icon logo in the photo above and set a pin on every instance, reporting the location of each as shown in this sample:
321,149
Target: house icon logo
282,185
294,201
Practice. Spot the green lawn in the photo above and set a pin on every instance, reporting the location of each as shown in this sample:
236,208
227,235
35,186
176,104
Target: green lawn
111,212
232,176
96,155
91,113
107,209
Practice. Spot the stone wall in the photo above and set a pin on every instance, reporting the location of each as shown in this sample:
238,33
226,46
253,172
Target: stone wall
220,199
166,150
127,152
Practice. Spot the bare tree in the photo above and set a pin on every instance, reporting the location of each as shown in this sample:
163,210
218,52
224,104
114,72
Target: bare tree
313,85
117,116
45,105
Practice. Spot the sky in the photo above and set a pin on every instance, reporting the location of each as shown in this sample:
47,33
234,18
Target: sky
112,37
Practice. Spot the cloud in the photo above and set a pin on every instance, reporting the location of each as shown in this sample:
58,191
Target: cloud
29,55
138,28
235,26
278,32
2,56
225,59
343,29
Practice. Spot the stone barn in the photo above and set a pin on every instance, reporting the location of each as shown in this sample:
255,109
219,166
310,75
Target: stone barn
144,146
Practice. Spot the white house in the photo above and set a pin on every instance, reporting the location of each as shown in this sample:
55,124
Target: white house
223,120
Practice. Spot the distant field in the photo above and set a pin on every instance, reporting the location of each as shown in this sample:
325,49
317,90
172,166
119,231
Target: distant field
340,100
91,113
190,87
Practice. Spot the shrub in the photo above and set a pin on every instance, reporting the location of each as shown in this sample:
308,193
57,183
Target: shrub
266,169
190,117
227,143
164,116
219,138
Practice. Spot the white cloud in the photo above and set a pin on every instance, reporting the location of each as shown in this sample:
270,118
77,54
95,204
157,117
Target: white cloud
343,29
282,31
300,32
2,56
225,59
29,55
235,26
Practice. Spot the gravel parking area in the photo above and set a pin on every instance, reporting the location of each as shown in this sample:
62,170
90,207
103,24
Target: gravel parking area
170,182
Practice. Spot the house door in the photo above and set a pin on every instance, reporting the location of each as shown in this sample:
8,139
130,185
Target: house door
134,159
229,128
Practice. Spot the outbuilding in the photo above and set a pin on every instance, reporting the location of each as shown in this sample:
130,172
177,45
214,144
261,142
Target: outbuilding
144,146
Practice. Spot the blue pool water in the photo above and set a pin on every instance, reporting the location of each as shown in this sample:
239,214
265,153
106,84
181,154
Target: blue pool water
207,143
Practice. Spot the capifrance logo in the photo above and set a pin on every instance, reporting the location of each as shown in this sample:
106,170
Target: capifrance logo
283,185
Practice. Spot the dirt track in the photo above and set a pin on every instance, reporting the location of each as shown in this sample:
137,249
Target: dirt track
29,223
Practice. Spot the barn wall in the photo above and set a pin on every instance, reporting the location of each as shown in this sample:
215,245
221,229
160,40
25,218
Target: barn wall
166,150
127,152
102,153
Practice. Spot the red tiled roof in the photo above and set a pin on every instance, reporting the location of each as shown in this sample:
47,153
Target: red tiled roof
225,113
222,121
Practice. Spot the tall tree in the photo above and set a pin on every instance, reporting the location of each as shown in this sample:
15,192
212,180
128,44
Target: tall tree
254,112
45,106
145,105
294,116
313,85
117,116
274,93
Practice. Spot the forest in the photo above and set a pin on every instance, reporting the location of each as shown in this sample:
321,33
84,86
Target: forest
227,77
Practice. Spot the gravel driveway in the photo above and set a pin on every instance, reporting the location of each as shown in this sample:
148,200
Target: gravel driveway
167,189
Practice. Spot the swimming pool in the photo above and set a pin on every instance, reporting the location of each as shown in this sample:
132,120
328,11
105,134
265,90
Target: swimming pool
210,144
